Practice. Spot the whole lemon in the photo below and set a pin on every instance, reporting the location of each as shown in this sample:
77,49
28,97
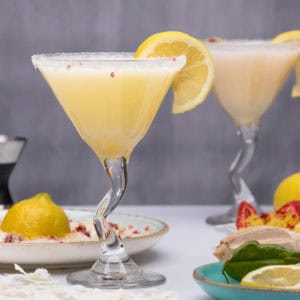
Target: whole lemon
288,190
36,217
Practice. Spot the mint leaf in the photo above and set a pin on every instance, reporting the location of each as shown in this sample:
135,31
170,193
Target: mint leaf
252,255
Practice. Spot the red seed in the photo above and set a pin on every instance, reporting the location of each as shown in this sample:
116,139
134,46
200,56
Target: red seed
113,225
69,67
81,228
9,238
212,40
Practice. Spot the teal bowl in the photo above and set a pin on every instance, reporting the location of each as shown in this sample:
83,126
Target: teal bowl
211,280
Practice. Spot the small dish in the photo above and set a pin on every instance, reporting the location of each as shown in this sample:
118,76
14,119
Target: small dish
83,253
210,279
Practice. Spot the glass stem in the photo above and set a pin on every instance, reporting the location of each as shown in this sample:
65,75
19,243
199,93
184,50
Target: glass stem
240,189
112,250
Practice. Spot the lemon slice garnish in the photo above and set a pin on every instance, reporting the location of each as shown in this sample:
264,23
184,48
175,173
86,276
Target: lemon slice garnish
193,83
274,276
291,36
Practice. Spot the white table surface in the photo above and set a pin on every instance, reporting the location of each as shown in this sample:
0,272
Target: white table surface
188,244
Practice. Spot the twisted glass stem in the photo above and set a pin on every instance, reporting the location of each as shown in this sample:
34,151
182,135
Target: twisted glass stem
112,250
241,191
114,268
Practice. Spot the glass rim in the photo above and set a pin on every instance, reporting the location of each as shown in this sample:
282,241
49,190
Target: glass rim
96,57
267,44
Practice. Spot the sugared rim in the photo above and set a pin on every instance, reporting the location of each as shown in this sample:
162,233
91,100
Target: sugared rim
90,58
238,44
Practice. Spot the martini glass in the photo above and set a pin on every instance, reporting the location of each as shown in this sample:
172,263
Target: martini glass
248,77
111,99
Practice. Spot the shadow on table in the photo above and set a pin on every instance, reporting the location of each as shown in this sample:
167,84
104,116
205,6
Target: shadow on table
145,258
150,256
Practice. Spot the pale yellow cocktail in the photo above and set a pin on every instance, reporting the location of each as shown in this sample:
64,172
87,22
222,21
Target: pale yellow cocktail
249,75
110,104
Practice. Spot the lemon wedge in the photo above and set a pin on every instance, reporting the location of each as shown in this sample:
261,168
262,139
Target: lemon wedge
36,217
291,36
193,83
275,276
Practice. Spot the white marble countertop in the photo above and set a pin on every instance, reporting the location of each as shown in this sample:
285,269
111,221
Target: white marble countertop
189,244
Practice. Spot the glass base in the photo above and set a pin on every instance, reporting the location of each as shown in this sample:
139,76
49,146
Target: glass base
221,219
122,275
230,215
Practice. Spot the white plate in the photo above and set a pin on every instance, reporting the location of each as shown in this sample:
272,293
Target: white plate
76,254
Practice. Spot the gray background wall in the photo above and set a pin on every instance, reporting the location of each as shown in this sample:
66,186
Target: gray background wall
184,158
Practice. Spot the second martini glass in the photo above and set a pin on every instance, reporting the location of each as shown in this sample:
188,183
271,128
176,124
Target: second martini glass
111,99
248,76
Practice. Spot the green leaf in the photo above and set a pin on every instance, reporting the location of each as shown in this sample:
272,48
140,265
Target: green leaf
252,255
